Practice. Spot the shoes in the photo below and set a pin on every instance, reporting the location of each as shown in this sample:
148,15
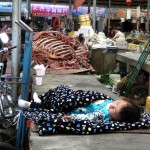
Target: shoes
23,104
36,98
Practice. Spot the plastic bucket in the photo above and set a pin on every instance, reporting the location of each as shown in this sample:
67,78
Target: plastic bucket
38,80
40,72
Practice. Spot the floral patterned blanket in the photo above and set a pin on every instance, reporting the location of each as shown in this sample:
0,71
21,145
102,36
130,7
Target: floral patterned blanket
63,99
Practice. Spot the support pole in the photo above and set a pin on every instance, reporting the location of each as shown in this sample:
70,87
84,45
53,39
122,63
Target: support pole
21,128
94,15
109,16
148,9
89,5
16,11
28,7
70,8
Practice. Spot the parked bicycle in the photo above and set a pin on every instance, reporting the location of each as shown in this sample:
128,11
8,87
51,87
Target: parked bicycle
8,101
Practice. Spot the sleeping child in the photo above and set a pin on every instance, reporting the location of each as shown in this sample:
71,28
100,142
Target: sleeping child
105,109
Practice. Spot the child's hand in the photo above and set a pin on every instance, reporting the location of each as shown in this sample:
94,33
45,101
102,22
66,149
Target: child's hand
67,117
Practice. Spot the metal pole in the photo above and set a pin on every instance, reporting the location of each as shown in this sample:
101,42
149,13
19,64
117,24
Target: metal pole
89,4
70,8
25,82
148,8
109,16
28,7
94,14
16,8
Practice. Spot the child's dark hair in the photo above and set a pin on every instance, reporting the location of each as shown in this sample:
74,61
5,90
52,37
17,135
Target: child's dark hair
131,112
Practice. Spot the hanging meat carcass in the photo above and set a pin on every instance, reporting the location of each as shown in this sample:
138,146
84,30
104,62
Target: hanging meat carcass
58,51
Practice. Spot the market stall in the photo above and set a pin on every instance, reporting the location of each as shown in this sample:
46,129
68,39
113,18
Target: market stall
131,59
60,52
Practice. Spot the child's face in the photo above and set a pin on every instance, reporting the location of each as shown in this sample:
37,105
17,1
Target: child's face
115,109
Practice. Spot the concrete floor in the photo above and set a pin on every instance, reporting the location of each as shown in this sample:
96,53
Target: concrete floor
112,141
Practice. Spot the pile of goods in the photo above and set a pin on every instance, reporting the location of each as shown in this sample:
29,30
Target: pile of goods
85,20
132,46
58,51
137,41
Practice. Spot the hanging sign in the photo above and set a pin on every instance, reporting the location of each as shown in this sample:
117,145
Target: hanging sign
100,11
7,7
49,10
55,10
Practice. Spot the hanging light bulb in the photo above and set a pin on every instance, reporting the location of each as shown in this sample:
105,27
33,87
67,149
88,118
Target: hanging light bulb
128,2
4,37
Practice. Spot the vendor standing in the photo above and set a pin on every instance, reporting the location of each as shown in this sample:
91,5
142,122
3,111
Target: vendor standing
119,36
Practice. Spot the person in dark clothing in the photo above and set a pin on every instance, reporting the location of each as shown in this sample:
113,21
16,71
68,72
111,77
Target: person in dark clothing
29,23
106,31
23,31
3,58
